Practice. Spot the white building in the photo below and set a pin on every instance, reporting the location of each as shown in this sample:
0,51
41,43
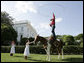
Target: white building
24,29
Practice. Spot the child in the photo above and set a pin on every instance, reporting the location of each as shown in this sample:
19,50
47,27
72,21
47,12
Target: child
52,24
12,48
26,51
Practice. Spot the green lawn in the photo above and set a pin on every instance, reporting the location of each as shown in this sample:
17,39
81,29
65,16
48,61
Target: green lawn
5,57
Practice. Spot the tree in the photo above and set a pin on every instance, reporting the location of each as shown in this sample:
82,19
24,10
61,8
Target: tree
79,36
23,40
6,19
58,36
7,34
7,31
68,39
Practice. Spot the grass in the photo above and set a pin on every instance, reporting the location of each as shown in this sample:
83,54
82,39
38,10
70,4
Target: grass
17,57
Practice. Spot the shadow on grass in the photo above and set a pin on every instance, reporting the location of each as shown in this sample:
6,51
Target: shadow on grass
18,56
30,58
21,56
36,60
73,59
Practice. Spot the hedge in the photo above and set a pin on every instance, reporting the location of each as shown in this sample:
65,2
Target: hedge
72,49
20,49
39,49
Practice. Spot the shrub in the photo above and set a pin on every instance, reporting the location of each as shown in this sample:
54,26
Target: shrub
39,49
72,49
19,49
5,49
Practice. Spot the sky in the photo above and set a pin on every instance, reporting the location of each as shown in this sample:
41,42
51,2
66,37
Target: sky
68,14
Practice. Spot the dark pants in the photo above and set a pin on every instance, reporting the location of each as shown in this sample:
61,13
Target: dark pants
53,31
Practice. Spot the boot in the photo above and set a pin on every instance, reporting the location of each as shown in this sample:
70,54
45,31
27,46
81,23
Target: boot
11,54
